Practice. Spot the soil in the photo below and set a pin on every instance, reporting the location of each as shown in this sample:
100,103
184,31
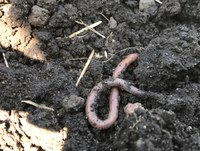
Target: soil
43,68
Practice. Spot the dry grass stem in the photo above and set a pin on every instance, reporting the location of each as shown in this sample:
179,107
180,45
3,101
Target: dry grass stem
85,29
158,1
85,67
92,29
104,16
76,59
41,106
106,54
5,60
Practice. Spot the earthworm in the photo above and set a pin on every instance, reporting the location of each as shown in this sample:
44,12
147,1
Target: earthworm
114,97
124,64
113,112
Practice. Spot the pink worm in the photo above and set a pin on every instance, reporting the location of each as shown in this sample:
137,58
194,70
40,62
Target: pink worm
114,98
96,91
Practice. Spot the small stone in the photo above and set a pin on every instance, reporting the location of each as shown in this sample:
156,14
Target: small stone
39,16
112,23
130,108
73,103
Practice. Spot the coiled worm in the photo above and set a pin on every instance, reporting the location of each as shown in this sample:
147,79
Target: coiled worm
96,91
114,96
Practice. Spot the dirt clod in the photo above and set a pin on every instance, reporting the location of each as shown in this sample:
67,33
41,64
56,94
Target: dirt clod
39,16
73,103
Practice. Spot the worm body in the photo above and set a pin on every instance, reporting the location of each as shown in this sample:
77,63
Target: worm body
112,115
114,96
121,67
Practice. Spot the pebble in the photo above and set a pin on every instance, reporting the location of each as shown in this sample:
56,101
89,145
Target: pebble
130,108
73,103
112,23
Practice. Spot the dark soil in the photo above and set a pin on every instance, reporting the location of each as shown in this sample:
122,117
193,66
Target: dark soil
34,38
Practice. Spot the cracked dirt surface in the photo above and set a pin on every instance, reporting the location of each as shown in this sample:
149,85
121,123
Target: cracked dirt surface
34,38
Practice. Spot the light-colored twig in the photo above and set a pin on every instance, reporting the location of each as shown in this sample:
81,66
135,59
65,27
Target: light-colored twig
5,60
92,29
85,67
84,29
158,1
104,16
41,106
76,59
106,54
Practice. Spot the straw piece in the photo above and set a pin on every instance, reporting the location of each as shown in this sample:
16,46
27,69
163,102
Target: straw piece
158,1
41,106
92,29
85,67
104,16
106,54
76,59
5,60
84,29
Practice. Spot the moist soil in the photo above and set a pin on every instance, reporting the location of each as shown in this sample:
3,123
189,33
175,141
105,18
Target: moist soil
44,65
